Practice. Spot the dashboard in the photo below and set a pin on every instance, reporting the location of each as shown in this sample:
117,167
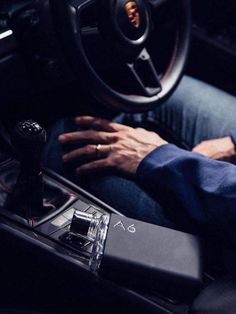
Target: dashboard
32,61
213,55
216,20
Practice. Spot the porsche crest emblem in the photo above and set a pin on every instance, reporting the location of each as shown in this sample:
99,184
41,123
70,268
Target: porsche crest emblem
133,13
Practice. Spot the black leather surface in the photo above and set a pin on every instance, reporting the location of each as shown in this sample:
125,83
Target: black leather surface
218,298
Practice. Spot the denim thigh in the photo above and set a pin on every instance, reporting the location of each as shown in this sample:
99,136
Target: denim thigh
196,111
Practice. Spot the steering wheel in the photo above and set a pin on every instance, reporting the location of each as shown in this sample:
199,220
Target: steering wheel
125,27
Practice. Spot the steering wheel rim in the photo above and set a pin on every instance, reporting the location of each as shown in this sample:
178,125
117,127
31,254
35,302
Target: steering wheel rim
67,18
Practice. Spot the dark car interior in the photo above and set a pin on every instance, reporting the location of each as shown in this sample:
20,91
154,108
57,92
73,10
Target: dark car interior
62,58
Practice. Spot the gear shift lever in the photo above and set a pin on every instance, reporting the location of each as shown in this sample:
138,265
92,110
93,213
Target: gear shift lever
28,139
26,199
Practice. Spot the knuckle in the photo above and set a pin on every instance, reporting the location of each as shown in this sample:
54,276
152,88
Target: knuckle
110,162
69,136
94,165
88,149
96,121
118,159
116,126
153,133
116,137
111,149
101,122
113,125
115,149
89,133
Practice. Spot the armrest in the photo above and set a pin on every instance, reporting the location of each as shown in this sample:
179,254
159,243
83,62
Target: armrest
218,297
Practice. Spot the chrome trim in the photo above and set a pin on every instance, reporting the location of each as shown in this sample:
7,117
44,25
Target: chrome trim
6,34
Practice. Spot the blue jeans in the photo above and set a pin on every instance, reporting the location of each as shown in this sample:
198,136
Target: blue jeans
195,112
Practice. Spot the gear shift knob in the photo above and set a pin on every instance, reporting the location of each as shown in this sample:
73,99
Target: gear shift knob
28,139
26,199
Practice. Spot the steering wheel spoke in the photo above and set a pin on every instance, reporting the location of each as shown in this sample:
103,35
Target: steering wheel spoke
145,74
79,4
89,31
157,3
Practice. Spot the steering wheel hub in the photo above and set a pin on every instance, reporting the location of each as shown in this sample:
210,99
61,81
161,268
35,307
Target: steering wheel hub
131,21
124,24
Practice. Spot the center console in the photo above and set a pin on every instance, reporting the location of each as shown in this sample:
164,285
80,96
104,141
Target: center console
39,200
50,214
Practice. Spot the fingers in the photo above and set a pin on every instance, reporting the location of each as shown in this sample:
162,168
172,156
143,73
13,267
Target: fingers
89,151
99,124
87,136
94,166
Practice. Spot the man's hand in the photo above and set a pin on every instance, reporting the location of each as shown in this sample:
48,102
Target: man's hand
220,149
110,145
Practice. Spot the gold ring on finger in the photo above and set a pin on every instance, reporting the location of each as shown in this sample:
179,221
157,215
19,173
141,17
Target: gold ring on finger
98,150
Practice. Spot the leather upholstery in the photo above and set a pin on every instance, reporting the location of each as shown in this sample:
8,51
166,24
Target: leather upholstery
54,195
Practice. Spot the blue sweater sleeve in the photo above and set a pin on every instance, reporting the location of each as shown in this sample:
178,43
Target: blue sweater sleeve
204,189
233,136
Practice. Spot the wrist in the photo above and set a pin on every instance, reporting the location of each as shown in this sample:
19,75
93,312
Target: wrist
228,147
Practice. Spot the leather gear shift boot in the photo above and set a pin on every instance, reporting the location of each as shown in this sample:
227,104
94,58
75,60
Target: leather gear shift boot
14,194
